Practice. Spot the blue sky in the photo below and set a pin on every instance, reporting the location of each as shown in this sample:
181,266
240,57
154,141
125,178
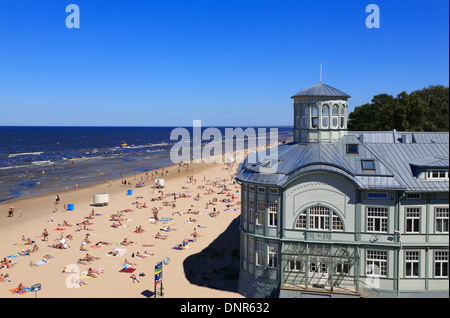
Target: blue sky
225,62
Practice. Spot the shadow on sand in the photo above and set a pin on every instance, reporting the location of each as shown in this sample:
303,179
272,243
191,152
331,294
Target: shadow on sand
217,266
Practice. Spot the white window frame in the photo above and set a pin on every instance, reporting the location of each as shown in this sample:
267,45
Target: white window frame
412,264
260,253
441,220
273,214
437,174
335,116
272,256
412,220
440,263
377,219
325,116
315,117
376,263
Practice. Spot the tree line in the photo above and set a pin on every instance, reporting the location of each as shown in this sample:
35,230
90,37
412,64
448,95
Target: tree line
422,110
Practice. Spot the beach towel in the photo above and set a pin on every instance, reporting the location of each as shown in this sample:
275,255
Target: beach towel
127,270
13,255
97,214
120,252
60,229
95,246
164,220
41,263
23,291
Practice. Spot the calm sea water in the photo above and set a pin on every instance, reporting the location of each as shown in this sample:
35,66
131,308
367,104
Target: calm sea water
36,160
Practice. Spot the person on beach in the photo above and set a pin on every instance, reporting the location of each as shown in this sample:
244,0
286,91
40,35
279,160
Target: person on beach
134,279
18,289
11,212
45,236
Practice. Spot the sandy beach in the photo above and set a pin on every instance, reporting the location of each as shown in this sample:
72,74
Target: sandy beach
212,182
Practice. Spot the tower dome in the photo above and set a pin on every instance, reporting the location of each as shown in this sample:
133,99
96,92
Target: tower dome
320,114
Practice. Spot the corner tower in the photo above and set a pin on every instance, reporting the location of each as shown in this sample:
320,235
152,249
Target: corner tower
320,114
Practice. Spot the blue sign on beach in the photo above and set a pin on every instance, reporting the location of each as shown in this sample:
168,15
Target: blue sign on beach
158,273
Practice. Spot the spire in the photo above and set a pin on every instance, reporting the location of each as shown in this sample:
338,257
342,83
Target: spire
320,72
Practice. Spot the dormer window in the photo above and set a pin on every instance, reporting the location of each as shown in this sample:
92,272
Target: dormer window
368,164
437,174
352,149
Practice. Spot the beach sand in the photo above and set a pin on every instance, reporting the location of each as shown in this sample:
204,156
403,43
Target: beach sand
192,272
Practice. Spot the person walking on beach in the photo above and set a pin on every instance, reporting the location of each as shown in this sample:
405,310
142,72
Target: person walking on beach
45,235
11,212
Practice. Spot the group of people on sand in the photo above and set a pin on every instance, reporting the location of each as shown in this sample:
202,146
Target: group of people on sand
118,220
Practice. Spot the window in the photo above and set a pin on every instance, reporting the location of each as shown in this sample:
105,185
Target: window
251,250
342,117
260,259
412,264
412,220
301,221
441,264
437,174
251,188
261,190
294,265
325,116
368,164
377,219
273,256
335,116
377,195
273,214
376,263
343,268
314,117
413,196
319,219
297,122
441,216
261,209
352,149
251,211
273,190
337,224
305,116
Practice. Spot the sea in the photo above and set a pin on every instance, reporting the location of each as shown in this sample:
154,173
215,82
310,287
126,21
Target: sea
38,160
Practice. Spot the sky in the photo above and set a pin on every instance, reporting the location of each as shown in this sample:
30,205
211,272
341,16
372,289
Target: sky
224,62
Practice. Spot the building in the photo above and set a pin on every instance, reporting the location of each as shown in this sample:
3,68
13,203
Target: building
340,213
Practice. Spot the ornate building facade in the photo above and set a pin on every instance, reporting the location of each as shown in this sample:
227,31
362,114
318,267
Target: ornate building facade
339,213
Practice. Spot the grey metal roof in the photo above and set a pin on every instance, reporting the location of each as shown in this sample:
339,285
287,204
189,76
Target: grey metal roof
321,90
394,160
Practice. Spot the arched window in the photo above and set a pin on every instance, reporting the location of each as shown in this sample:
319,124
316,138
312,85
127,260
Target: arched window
315,117
305,116
335,116
343,116
325,116
320,218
